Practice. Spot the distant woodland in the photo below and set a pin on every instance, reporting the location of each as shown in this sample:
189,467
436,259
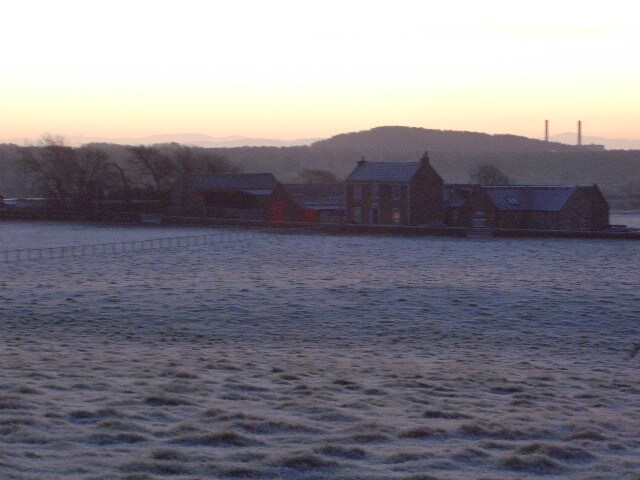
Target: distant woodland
455,155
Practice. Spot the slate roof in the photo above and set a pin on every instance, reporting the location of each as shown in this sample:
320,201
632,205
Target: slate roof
318,196
384,172
255,183
530,197
457,195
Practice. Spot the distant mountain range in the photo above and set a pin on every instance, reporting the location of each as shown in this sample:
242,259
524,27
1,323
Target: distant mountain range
192,139
383,137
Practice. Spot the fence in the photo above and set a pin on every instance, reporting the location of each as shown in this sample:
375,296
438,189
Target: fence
131,246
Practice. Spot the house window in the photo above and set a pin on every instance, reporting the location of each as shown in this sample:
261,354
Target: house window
356,214
375,191
357,191
396,192
396,216
512,200
375,216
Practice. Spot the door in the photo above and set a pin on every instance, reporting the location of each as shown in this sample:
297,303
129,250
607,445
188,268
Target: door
309,215
375,216
278,212
478,220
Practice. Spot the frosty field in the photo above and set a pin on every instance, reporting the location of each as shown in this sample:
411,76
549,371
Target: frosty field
301,356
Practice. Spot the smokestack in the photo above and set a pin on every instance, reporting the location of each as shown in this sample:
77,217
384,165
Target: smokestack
546,130
579,133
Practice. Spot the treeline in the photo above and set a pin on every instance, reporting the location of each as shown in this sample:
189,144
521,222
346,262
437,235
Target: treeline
80,178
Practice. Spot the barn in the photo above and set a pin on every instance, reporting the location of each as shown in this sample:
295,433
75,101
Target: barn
533,207
238,196
320,203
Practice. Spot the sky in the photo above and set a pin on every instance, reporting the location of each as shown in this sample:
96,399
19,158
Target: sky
291,69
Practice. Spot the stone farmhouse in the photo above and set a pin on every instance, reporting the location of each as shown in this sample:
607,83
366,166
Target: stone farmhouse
394,193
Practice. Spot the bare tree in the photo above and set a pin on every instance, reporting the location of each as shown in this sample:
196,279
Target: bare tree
488,174
309,175
151,170
193,160
155,169
75,178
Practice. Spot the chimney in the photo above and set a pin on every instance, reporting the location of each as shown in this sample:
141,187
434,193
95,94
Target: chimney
546,130
361,162
425,158
579,133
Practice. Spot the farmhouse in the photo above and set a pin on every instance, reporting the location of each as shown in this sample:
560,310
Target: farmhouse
394,193
568,208
246,196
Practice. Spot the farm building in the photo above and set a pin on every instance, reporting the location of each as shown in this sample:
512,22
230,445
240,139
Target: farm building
242,196
320,203
394,193
464,201
526,207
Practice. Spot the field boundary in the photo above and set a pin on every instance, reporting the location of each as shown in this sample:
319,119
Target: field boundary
130,246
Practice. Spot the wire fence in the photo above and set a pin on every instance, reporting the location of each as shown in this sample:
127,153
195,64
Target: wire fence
131,246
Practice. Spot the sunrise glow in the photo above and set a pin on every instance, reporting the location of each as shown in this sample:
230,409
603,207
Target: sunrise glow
286,69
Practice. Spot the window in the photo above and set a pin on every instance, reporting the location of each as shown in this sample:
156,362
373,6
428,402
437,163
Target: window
396,192
356,214
396,216
512,200
357,191
375,191
375,216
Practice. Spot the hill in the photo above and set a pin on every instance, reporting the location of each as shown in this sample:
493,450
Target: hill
392,140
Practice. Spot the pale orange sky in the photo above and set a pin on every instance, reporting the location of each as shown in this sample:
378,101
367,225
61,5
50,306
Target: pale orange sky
289,69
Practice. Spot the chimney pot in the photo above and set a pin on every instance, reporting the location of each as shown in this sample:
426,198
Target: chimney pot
425,158
361,162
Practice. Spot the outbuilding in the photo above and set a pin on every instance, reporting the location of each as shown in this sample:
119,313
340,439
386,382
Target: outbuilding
240,196
533,207
320,203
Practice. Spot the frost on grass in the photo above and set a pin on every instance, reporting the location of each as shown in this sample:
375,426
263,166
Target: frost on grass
294,358
302,461
222,439
535,464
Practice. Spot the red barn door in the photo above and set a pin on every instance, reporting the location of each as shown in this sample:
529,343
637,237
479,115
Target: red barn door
310,216
278,212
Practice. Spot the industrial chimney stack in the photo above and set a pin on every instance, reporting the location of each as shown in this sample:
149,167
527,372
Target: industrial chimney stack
546,130
579,133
